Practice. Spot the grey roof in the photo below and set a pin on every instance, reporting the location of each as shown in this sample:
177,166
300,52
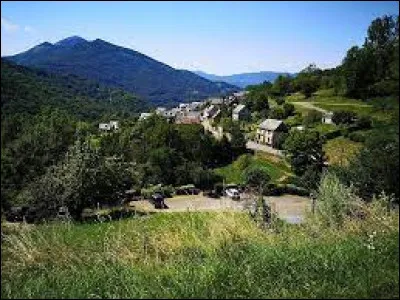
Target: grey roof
238,108
270,124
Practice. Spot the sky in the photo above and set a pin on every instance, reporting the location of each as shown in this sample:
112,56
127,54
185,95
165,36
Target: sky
221,38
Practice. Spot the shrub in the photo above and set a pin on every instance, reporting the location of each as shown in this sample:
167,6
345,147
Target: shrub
343,117
363,122
280,100
334,200
312,117
357,137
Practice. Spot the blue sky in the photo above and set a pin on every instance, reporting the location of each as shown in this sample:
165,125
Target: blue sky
216,37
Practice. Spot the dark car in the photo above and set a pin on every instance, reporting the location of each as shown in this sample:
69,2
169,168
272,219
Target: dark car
158,200
211,194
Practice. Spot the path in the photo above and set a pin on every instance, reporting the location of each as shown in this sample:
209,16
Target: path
310,105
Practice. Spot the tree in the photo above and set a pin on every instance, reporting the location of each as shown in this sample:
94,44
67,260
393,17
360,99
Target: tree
312,117
307,84
238,140
81,180
288,109
304,150
376,168
277,113
343,117
282,85
257,178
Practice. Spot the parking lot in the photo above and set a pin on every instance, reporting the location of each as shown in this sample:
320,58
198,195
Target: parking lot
288,207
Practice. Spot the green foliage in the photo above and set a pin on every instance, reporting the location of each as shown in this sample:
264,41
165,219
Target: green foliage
307,82
27,91
81,180
376,168
343,117
304,149
312,117
165,256
257,178
124,68
372,70
334,200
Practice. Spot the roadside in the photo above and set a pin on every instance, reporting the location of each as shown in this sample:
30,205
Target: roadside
288,207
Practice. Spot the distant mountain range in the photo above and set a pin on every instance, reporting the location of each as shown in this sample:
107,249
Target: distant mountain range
244,79
120,67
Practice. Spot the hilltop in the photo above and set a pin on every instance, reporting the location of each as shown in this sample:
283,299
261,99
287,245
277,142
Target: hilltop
120,67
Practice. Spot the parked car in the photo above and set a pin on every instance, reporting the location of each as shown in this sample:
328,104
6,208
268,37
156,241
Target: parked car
211,194
158,200
232,193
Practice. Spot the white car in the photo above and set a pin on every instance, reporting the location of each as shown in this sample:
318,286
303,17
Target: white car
232,193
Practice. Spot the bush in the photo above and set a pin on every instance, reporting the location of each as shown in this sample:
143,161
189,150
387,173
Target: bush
363,122
312,117
334,200
357,137
343,117
280,100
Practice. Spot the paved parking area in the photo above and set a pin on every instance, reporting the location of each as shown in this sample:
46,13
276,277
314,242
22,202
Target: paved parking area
288,207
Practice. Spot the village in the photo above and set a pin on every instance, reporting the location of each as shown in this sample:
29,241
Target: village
263,137
208,112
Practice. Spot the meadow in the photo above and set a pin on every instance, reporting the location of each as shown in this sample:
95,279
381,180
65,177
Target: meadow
207,255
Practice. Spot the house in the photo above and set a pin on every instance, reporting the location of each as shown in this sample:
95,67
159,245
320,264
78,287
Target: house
240,112
192,117
114,124
160,110
109,126
211,112
144,116
327,118
269,130
171,114
240,95
104,126
195,106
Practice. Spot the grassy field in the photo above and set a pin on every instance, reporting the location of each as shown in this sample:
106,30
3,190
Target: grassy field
275,167
339,150
201,255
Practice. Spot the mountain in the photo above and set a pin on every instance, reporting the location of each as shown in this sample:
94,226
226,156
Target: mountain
120,67
27,90
244,79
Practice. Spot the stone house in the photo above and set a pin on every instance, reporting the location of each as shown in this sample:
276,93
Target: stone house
269,130
240,112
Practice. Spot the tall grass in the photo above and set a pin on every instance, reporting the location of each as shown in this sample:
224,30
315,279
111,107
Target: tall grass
207,255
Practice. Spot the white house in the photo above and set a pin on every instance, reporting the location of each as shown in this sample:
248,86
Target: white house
327,118
269,130
144,116
114,124
240,112
109,126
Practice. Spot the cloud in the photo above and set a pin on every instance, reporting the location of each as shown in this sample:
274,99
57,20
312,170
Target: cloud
29,29
8,25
